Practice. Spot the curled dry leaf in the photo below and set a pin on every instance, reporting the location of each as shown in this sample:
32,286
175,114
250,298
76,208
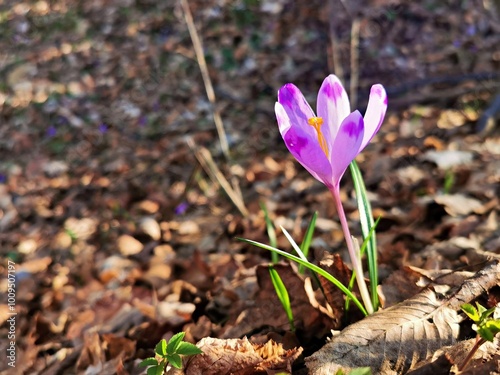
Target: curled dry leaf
395,339
238,357
334,296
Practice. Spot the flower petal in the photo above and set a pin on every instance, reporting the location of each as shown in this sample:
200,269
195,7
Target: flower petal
296,107
375,112
304,147
347,144
333,106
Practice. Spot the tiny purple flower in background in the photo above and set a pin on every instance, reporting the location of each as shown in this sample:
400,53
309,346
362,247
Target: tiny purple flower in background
51,131
181,208
143,121
103,128
470,30
3,178
325,144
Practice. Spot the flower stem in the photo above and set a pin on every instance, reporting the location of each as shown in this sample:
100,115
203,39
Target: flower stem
355,259
479,341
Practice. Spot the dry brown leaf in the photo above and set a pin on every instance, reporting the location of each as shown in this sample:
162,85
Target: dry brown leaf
128,245
394,340
92,353
238,357
233,356
117,346
334,265
458,204
275,358
400,285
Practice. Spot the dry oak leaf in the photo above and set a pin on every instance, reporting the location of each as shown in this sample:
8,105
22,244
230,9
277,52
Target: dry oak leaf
394,340
237,357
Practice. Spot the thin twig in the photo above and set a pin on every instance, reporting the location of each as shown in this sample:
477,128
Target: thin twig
337,64
353,87
200,56
210,167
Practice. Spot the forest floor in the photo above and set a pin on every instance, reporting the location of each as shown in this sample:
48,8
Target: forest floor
115,221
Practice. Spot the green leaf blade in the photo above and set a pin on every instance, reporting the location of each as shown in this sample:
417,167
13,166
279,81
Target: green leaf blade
175,360
471,312
312,267
186,348
485,333
367,222
149,362
155,370
493,326
306,242
174,342
161,348
282,294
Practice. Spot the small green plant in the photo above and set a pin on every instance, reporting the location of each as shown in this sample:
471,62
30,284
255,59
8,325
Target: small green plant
169,353
71,234
486,324
302,260
449,181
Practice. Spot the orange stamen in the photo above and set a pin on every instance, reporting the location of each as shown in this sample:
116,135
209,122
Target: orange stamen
316,123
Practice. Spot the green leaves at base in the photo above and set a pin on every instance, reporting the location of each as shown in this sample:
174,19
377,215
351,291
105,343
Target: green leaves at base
169,353
302,260
489,329
367,225
484,325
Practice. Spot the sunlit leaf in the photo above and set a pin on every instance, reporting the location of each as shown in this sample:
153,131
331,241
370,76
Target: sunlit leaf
485,333
149,362
175,360
306,242
155,370
161,348
471,312
174,342
186,348
367,223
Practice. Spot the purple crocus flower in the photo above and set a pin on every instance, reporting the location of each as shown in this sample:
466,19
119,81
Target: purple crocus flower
326,143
